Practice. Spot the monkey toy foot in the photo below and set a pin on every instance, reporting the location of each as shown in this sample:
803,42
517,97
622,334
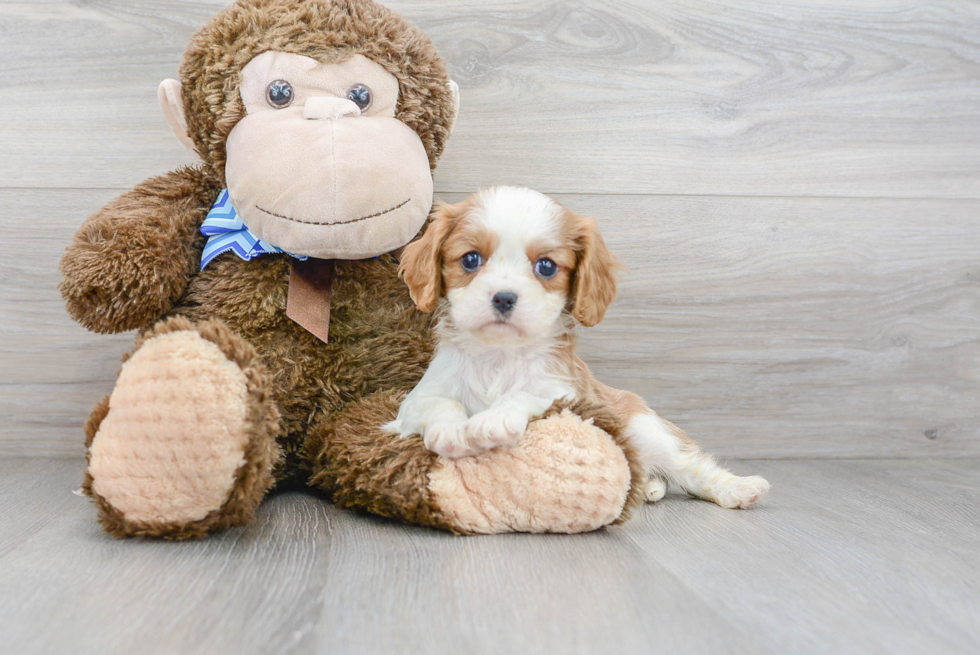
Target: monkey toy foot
185,443
566,475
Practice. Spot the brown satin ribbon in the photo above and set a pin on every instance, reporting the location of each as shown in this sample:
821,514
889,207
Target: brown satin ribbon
308,301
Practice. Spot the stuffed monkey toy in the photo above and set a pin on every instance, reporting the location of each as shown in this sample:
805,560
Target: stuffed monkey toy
275,335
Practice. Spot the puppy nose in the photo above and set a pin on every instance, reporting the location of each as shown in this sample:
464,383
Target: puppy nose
504,301
323,108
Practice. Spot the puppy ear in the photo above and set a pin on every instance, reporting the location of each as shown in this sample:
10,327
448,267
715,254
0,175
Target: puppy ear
421,261
594,282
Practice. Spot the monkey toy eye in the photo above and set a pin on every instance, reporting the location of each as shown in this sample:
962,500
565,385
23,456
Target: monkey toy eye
360,95
546,268
280,94
471,261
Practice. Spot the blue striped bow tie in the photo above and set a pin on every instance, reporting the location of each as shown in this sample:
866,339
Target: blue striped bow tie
226,231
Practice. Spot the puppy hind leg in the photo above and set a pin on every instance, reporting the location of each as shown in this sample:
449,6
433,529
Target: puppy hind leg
669,453
655,488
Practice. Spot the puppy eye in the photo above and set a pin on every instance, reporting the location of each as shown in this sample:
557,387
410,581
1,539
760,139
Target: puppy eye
360,95
546,268
280,94
471,261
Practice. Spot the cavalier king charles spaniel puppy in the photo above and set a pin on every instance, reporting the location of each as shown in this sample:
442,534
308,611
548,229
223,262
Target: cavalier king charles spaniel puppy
512,272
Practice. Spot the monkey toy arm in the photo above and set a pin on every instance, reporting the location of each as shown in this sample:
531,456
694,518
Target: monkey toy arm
131,260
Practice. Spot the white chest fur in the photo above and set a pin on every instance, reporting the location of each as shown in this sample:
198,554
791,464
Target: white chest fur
477,376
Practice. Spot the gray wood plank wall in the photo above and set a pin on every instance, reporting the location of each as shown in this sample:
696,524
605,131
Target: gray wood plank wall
794,186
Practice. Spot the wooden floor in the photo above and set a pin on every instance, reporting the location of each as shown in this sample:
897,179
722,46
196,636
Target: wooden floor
869,556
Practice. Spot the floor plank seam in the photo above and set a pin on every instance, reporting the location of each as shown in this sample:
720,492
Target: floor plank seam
623,194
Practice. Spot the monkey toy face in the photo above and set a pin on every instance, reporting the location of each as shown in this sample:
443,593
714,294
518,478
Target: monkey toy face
327,142
319,165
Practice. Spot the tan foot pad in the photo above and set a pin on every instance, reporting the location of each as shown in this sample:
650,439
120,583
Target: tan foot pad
175,434
565,475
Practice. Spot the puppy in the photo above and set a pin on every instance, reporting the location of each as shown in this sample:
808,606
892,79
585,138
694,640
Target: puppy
512,273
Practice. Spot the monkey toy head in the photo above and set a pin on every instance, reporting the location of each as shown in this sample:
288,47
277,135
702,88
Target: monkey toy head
323,118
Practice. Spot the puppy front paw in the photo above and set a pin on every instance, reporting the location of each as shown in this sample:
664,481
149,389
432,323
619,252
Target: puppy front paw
496,427
448,439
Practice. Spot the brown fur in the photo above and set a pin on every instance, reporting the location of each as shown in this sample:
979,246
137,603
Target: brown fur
592,392
564,256
326,31
627,403
363,468
378,341
467,237
422,260
130,262
594,283
92,423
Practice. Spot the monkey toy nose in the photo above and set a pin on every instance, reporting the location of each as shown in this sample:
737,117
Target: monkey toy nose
504,301
325,108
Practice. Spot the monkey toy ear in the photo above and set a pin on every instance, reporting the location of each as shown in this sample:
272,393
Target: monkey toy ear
172,105
454,89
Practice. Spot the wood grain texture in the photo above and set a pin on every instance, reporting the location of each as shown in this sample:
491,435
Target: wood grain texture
773,327
728,97
845,557
52,372
767,327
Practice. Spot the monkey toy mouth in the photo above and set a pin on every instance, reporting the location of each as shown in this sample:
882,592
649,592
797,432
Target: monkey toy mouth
353,220
318,190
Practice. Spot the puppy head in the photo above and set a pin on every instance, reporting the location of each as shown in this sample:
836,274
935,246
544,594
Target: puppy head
510,261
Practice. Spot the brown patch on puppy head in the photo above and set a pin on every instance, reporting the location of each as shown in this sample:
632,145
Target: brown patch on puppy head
469,236
326,30
563,255
421,261
593,286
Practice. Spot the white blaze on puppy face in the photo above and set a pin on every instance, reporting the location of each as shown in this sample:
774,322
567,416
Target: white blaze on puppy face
511,229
